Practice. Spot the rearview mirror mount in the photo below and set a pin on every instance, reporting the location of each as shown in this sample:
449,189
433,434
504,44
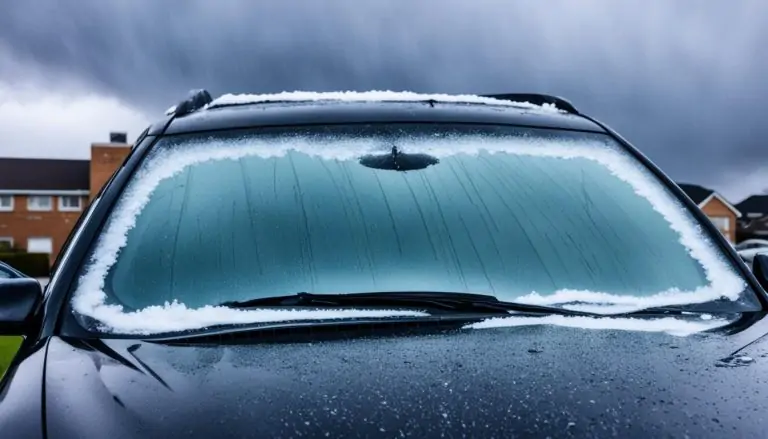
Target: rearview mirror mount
19,300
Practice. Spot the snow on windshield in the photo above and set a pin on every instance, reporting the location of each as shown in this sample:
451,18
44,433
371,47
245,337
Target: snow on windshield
90,298
177,317
669,325
372,96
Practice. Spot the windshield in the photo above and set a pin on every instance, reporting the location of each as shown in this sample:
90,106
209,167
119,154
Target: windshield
529,215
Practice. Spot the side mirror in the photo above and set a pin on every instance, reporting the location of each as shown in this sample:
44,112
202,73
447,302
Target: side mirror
19,299
760,269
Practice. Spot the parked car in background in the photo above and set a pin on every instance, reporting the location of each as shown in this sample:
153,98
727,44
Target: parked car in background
8,272
9,344
754,221
388,265
750,248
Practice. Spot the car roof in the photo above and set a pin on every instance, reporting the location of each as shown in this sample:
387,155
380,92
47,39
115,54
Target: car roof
258,112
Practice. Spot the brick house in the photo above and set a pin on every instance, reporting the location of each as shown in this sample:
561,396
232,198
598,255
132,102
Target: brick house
754,222
722,213
41,199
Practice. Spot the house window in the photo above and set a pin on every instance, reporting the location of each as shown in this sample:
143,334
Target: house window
39,203
40,245
721,222
69,203
6,203
6,243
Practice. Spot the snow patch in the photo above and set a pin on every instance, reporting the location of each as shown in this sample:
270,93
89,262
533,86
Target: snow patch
90,299
668,325
176,316
371,96
607,304
598,308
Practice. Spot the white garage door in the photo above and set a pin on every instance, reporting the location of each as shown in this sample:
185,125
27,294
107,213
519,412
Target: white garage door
40,245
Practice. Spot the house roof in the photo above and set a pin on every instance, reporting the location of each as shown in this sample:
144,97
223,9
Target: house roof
695,192
701,196
25,175
754,204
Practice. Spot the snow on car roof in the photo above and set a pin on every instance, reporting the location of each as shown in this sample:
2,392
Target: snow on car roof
373,96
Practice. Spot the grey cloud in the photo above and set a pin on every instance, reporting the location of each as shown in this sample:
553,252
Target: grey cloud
684,83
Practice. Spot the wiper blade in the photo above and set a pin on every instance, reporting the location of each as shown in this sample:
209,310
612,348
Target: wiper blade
428,300
675,310
718,306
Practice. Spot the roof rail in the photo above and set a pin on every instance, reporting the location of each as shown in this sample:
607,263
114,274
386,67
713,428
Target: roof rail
196,100
536,99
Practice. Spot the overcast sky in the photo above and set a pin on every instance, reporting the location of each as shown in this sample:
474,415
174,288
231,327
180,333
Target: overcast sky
685,84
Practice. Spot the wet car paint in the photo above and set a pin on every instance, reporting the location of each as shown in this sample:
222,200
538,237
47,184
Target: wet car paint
504,382
21,396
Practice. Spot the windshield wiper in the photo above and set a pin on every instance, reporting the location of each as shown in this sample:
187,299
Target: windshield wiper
426,300
705,308
714,307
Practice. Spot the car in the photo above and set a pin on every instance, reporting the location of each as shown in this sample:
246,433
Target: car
388,264
751,247
8,272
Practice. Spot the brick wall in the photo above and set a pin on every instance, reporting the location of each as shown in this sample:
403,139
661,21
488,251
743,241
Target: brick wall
715,208
105,158
22,224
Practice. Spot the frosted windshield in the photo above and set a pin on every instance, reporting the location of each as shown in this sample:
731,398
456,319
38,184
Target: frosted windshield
524,214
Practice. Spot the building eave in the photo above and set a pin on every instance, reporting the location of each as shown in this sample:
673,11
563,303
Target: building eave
75,192
111,145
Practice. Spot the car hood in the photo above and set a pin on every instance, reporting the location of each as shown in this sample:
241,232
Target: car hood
502,382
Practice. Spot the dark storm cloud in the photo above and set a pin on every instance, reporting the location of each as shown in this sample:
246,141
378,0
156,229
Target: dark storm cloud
684,81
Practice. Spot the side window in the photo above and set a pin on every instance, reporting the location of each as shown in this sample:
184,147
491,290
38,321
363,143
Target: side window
70,203
36,203
40,244
6,243
721,222
6,203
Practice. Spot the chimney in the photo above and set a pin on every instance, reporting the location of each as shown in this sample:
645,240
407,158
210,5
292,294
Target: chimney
118,137
106,158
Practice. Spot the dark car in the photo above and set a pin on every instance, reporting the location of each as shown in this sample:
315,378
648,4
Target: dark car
388,265
8,272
